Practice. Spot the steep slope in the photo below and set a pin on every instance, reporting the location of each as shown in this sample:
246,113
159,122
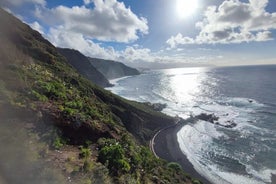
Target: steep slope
45,97
84,67
112,69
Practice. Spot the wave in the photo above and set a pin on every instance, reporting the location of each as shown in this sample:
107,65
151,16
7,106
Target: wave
196,142
115,81
268,112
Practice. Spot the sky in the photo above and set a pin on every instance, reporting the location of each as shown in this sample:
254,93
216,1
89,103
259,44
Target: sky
157,33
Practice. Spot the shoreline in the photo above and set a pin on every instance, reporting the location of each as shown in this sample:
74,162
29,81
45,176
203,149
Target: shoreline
164,145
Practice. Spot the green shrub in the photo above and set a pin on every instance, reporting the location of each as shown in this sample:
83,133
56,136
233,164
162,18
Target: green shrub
39,97
114,157
69,111
148,159
61,108
174,166
111,152
77,104
52,89
59,142
85,153
123,165
195,181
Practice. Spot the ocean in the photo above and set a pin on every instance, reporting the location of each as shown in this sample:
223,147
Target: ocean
245,95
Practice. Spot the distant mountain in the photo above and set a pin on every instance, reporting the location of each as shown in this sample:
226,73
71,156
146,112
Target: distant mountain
84,67
112,69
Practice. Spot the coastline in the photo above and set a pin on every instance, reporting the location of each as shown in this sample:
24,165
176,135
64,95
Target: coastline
165,145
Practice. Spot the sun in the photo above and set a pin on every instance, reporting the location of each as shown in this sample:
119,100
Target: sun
186,8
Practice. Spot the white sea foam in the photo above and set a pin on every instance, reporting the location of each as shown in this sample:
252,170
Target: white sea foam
263,174
115,81
219,177
195,141
242,102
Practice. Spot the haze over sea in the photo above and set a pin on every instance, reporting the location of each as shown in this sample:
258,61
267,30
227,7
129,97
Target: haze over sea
245,95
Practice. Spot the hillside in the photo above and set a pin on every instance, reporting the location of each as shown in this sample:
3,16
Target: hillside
84,67
64,128
112,69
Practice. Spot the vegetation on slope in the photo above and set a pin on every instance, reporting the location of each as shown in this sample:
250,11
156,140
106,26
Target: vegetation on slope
92,123
84,67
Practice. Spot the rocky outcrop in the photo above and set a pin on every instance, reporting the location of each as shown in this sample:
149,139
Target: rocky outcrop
112,69
215,120
208,117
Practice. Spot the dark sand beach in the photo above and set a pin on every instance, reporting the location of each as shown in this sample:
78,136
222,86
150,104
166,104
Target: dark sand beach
273,179
166,147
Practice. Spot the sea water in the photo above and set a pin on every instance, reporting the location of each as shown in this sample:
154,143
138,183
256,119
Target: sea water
245,95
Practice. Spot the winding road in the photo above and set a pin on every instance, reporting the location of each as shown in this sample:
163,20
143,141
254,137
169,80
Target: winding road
151,143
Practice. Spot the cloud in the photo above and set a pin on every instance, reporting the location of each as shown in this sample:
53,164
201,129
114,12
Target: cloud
109,20
179,39
232,21
36,26
131,54
77,41
137,54
86,2
20,2
134,55
78,27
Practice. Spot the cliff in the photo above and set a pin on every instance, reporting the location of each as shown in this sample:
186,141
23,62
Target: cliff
84,67
112,69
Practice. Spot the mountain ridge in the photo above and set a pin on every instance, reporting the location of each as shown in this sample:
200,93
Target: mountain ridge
112,69
84,67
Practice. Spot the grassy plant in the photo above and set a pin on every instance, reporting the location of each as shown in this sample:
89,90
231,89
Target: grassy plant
59,142
88,166
85,153
174,166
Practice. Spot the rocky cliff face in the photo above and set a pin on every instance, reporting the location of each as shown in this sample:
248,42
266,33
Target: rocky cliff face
84,67
112,69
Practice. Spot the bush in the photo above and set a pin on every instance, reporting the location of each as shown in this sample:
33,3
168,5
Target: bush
111,152
77,104
123,165
69,111
53,89
59,142
174,166
148,159
195,181
39,97
114,157
85,153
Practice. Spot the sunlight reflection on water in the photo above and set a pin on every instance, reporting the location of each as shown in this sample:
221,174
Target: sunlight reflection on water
185,83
